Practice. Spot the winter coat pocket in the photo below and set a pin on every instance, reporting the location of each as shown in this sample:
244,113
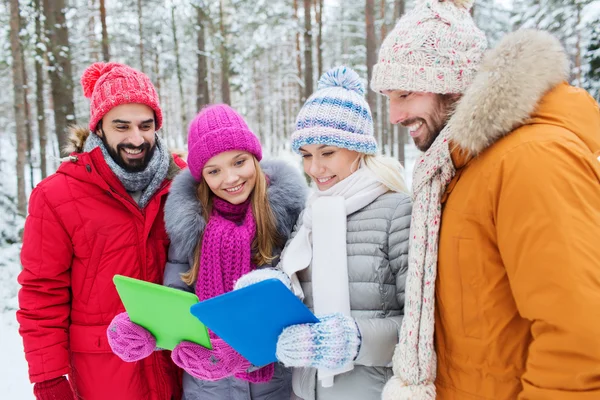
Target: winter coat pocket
469,268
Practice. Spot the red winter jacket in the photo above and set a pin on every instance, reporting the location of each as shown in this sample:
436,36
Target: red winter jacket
82,229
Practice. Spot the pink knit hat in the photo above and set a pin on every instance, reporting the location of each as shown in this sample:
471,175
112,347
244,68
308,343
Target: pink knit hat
108,85
433,48
216,129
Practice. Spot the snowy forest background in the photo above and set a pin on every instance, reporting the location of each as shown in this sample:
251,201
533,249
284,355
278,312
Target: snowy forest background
263,57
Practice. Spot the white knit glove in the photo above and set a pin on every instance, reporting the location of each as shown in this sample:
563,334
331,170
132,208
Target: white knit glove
262,274
331,343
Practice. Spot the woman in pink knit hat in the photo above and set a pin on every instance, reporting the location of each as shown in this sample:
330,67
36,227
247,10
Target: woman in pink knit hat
226,215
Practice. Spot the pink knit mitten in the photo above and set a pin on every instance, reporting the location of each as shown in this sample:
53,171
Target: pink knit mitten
261,375
209,365
129,341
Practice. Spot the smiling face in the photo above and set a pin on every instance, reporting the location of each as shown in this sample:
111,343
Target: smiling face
328,165
231,175
424,114
128,133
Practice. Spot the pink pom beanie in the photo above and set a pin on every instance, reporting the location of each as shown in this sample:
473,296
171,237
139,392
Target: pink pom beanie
433,48
217,129
108,85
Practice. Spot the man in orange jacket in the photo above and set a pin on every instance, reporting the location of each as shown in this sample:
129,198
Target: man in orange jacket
504,257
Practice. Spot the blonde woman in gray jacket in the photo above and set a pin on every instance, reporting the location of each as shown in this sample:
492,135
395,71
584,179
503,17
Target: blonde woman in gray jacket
347,258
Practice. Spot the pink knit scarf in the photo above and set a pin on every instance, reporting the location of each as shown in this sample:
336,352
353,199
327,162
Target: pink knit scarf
226,252
226,255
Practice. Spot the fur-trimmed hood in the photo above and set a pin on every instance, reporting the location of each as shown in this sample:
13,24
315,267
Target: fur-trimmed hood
76,140
184,222
504,95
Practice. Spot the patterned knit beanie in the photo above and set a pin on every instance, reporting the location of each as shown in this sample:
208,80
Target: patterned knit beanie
217,129
108,85
337,114
434,48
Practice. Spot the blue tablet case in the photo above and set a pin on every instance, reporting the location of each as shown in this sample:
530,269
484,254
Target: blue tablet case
251,319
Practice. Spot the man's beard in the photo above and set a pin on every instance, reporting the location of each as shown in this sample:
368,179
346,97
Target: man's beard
132,165
439,118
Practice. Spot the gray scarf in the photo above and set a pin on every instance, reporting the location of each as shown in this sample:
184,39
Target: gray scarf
148,181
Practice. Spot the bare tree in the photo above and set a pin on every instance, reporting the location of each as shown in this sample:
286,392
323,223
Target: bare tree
399,132
298,56
577,69
59,60
371,58
225,90
308,63
28,129
39,88
319,18
179,75
383,101
202,97
19,104
105,52
141,33
92,31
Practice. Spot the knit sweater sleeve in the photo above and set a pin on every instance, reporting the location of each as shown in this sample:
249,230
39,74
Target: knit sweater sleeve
380,335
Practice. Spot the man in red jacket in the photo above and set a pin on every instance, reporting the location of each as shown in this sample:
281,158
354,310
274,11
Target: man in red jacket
99,215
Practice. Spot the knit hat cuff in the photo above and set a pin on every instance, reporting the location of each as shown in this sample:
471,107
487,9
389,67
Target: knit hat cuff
365,144
123,98
393,76
220,141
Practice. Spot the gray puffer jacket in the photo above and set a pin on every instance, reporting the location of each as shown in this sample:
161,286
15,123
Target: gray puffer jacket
184,224
377,251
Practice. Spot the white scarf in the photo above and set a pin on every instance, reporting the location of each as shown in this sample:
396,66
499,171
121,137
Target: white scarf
321,240
414,359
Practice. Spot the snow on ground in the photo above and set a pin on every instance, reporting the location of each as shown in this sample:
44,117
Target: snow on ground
14,383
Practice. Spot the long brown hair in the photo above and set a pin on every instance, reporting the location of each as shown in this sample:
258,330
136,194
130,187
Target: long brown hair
266,238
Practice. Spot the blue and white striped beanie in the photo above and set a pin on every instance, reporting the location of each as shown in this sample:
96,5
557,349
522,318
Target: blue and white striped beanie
337,114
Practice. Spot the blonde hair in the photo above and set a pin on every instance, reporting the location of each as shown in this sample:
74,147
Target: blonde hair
388,171
267,237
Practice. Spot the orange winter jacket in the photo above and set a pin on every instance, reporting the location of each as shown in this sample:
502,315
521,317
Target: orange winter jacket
518,287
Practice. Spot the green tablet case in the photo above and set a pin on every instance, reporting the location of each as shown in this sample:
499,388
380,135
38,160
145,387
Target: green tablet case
163,311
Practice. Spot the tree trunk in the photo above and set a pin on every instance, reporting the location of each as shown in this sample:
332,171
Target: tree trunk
577,77
298,55
399,132
308,63
258,99
202,98
179,76
158,86
61,78
39,88
28,129
105,52
385,131
19,104
141,33
92,32
225,91
399,8
319,18
371,59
